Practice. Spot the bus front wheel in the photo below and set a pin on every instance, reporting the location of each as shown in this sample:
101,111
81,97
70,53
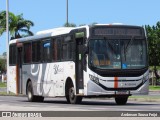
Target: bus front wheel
121,100
71,97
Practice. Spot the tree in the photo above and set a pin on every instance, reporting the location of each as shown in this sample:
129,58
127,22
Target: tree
2,22
74,25
18,26
2,65
153,34
69,25
5,54
94,23
82,24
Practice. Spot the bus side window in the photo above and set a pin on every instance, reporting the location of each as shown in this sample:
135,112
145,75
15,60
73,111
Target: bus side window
68,48
56,50
65,51
36,51
47,51
27,53
12,55
71,50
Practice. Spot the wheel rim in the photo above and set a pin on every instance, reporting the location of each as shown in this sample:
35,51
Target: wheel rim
29,94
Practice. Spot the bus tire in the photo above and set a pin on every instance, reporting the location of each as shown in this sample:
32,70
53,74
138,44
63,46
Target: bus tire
121,100
71,97
31,96
39,98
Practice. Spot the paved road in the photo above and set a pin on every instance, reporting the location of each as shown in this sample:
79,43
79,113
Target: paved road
13,103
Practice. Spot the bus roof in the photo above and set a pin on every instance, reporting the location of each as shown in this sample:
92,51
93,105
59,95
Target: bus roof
59,31
108,24
56,30
47,33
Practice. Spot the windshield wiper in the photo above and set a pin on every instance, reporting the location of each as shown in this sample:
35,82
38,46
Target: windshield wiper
126,48
111,47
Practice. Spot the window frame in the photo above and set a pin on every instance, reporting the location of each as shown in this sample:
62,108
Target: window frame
39,42
70,49
23,62
11,55
43,60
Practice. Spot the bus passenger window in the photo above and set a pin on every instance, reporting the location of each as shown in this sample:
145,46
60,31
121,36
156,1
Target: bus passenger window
36,51
65,52
46,51
12,55
71,51
27,53
56,49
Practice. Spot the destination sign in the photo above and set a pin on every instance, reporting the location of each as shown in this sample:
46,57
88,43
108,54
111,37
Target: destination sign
118,31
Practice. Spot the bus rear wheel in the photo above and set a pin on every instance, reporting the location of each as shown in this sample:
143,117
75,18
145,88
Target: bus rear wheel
121,100
31,96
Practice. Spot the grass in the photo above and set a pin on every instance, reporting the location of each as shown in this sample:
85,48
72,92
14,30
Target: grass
5,93
3,84
145,98
154,88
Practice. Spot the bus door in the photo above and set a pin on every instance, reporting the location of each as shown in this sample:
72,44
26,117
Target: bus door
19,68
79,61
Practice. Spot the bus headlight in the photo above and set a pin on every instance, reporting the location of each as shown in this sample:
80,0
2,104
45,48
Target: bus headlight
94,79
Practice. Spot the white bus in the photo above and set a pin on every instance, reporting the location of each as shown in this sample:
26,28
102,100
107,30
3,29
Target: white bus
89,61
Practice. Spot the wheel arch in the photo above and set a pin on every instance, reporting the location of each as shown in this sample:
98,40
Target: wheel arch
68,83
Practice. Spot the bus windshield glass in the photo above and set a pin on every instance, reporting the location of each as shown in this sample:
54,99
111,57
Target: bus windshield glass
118,54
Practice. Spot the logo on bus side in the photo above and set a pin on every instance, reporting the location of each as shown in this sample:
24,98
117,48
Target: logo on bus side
57,69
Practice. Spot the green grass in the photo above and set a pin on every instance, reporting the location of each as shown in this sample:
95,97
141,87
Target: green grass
3,84
145,98
154,88
5,93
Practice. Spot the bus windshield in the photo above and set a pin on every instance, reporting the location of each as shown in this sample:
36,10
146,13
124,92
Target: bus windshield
118,54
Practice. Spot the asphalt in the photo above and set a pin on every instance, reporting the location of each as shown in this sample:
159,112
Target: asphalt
151,92
153,96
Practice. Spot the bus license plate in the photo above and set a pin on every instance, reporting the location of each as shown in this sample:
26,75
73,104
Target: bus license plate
121,92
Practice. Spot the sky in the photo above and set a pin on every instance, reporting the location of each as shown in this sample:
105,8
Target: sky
48,14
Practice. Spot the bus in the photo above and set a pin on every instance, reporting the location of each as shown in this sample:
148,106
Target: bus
103,60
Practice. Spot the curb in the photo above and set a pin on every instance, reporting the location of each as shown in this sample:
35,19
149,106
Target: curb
154,91
144,99
3,89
